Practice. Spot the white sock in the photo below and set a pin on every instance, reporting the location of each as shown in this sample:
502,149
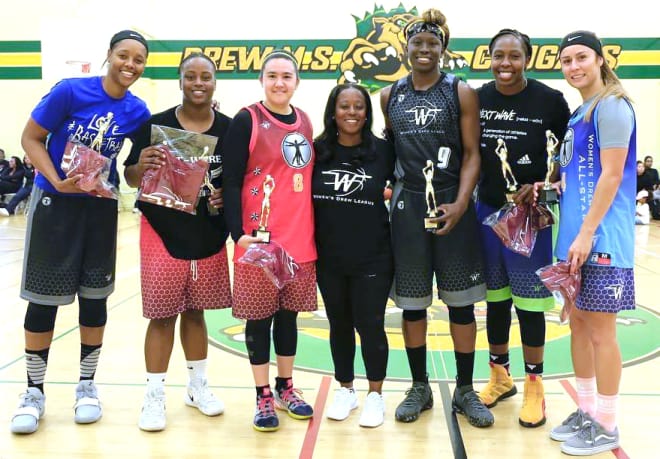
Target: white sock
155,381
196,370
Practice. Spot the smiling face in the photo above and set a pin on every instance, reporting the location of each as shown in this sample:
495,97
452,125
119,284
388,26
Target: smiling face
350,115
280,80
581,68
197,81
508,62
126,61
424,51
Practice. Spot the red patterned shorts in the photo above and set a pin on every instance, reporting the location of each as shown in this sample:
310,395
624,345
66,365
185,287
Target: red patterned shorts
256,297
171,286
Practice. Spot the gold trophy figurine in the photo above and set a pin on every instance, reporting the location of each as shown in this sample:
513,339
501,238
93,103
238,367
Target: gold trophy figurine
429,194
511,185
261,232
548,194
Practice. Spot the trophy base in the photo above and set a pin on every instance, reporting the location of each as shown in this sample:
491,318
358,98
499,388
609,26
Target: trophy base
548,196
262,234
430,225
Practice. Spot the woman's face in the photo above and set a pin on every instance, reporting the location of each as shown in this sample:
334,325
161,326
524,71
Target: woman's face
424,51
126,62
640,168
198,81
581,68
508,61
12,163
26,160
350,111
280,80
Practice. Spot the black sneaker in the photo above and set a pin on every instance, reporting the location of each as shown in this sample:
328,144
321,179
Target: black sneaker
467,402
418,398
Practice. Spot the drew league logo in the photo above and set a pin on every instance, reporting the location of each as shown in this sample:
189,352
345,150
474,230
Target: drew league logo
296,150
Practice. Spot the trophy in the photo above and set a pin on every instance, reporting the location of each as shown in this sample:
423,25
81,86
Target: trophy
512,185
548,194
429,194
261,232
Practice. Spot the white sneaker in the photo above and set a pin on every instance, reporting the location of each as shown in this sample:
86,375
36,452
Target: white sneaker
31,408
200,396
4,212
373,413
343,403
88,407
152,418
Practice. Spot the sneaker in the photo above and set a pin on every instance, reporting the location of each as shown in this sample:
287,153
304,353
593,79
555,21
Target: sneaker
343,403
418,398
4,212
152,417
570,426
467,402
373,413
265,417
31,408
289,400
88,407
532,413
592,438
200,396
499,387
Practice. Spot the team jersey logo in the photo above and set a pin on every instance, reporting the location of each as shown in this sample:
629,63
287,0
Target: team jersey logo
423,115
346,182
566,152
296,150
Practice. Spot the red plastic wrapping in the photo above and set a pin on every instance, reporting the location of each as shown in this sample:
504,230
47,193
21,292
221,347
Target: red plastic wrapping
518,225
275,261
79,159
564,286
175,185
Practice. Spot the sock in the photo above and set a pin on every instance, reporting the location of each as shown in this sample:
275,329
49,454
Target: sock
417,362
534,368
586,394
500,359
464,368
89,360
155,381
606,411
264,391
196,370
283,383
36,362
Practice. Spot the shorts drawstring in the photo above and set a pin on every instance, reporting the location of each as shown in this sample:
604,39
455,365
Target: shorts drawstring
193,268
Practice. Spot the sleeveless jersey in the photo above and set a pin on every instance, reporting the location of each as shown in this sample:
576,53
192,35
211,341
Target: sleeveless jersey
426,126
285,152
580,169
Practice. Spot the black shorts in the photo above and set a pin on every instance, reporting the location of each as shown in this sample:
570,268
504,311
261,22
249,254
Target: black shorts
70,248
455,259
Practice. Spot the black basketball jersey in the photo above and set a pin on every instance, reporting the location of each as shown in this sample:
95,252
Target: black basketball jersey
426,126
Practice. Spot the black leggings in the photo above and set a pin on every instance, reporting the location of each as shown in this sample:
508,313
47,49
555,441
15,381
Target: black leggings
285,336
356,302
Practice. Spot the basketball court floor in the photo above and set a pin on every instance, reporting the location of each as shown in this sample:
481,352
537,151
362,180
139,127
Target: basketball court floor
437,434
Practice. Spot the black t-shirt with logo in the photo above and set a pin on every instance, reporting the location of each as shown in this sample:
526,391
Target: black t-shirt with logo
521,121
351,219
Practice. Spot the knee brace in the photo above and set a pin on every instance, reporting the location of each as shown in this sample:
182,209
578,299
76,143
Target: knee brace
40,318
532,327
92,313
461,315
414,315
498,321
257,340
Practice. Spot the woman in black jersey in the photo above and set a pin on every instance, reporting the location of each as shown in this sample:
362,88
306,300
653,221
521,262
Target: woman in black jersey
354,266
184,266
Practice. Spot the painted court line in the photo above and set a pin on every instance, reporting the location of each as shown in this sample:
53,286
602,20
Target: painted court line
619,453
314,425
454,429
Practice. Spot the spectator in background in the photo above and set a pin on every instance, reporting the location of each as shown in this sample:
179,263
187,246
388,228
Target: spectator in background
654,193
23,193
11,177
642,211
3,162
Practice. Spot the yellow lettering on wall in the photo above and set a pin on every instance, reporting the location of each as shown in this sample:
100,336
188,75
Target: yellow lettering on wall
481,58
321,58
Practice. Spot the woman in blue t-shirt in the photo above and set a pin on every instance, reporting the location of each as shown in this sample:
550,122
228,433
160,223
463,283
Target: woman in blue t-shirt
71,240
596,235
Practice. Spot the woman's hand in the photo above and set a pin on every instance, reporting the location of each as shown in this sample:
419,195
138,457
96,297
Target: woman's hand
151,157
69,185
216,198
579,250
246,240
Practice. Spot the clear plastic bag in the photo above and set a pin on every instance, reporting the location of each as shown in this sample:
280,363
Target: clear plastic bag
176,184
564,286
79,159
274,260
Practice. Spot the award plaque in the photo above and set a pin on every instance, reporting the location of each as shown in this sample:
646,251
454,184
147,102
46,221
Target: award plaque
512,185
548,194
261,232
429,196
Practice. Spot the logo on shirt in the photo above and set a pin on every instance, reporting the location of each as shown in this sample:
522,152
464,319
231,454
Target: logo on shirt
423,115
524,160
346,182
566,152
296,150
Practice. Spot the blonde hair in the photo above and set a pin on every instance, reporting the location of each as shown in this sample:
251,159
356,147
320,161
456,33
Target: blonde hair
430,16
613,87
